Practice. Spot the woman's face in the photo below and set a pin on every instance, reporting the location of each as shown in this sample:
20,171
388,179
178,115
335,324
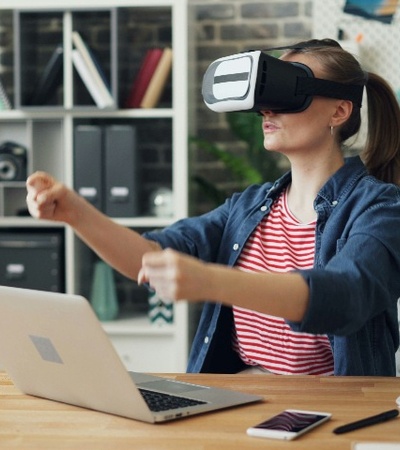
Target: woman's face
306,131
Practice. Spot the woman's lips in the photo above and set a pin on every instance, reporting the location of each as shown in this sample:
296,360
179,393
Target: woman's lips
270,127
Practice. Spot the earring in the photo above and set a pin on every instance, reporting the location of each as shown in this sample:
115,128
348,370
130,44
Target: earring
331,130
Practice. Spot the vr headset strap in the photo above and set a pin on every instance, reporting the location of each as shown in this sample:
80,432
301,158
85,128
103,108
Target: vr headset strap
331,89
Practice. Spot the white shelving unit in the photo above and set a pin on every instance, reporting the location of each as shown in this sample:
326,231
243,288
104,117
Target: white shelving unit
47,132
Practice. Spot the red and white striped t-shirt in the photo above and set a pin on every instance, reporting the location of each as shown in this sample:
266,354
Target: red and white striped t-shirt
280,243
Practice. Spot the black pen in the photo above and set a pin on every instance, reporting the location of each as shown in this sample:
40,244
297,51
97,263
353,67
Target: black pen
382,417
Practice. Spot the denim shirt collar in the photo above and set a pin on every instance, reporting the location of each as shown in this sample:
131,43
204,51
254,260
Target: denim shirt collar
336,187
340,183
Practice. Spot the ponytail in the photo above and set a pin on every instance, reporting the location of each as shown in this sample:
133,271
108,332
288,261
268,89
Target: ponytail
381,154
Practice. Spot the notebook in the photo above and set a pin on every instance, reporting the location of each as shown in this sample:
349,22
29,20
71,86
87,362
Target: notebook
54,347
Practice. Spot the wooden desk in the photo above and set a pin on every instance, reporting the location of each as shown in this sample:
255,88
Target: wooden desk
29,422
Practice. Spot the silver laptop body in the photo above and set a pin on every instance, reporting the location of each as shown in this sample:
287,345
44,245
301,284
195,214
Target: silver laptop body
53,346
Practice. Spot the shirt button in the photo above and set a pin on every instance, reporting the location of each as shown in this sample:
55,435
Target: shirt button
334,203
235,247
206,340
263,208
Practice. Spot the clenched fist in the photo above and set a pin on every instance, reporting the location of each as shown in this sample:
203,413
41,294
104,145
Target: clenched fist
49,199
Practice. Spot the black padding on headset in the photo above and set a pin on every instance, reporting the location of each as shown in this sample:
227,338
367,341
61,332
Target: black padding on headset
331,89
277,82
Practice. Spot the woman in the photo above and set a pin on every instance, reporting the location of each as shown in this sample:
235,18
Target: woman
301,276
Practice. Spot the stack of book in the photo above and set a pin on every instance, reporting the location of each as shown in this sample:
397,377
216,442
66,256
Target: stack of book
150,81
87,67
91,73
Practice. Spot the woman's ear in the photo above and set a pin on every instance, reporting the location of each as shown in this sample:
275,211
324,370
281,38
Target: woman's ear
343,111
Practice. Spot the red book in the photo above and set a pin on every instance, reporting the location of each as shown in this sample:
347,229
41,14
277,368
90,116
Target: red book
158,81
143,77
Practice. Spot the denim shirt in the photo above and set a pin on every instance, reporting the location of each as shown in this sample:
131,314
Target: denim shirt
354,283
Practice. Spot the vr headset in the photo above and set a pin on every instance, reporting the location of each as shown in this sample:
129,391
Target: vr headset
256,81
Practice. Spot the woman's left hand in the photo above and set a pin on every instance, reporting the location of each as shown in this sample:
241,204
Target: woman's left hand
175,276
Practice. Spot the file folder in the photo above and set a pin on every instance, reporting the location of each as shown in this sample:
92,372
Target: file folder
121,171
88,163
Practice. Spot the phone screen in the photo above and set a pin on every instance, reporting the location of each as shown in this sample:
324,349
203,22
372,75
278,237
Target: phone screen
292,421
289,424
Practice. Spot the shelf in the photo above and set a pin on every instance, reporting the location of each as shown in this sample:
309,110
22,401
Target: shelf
28,222
140,325
78,4
119,32
44,112
132,222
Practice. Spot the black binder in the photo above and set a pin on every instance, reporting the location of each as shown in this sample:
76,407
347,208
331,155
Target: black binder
50,79
121,171
88,163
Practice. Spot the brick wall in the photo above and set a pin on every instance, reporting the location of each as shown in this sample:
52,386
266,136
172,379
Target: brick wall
223,28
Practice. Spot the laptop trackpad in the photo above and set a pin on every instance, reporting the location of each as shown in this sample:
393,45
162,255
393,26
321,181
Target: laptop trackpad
171,387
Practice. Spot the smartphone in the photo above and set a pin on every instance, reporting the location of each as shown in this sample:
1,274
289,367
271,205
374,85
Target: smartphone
289,424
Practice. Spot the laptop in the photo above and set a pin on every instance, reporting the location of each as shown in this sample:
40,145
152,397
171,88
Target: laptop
54,347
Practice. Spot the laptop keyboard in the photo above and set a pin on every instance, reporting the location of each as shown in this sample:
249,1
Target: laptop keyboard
159,401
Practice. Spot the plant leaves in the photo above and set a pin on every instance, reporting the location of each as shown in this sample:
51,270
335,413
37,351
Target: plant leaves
238,165
210,190
254,167
247,127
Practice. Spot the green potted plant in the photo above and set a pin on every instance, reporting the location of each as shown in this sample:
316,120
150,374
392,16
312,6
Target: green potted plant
256,165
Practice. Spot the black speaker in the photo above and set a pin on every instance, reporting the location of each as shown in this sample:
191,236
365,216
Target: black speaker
13,161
